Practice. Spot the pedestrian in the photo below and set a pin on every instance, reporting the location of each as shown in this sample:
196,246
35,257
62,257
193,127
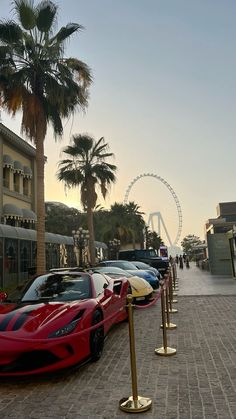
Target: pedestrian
177,259
181,265
187,262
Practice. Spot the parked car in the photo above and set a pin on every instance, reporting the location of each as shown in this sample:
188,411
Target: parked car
148,256
39,330
131,268
142,291
146,267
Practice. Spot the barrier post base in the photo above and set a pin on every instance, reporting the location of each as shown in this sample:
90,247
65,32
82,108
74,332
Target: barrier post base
165,351
169,326
173,310
135,406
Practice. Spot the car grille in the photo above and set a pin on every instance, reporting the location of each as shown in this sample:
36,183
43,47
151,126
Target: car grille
30,361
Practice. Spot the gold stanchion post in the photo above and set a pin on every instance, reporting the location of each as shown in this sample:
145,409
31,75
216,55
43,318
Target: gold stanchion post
134,403
171,300
164,350
169,325
174,280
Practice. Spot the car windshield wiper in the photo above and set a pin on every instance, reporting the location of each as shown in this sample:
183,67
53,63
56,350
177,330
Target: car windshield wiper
39,300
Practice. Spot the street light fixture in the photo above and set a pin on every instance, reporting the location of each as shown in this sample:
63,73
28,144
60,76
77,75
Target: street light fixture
113,246
81,239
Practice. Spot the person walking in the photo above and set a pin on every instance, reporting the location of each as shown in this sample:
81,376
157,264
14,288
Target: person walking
181,265
187,262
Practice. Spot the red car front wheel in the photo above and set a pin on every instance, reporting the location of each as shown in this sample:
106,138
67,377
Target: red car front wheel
97,337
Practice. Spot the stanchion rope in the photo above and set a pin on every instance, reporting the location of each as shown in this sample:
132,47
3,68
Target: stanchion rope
150,304
81,332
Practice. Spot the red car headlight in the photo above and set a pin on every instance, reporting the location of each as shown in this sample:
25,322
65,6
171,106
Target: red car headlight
65,330
68,328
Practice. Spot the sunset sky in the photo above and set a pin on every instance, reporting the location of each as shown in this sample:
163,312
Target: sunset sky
163,97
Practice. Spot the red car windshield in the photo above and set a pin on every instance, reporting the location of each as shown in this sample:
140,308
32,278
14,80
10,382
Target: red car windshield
59,287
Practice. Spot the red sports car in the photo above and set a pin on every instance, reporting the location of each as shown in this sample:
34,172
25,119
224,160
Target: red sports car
50,325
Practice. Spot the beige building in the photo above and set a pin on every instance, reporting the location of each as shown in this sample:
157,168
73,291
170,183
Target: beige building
18,236
17,183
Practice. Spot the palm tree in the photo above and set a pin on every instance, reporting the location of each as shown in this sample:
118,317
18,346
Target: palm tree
153,239
86,167
136,222
36,79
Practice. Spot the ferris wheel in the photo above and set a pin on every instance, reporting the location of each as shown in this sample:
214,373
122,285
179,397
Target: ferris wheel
158,214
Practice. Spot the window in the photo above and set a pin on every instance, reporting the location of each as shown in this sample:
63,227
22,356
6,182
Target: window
10,256
34,253
52,255
24,255
11,221
26,186
16,180
99,282
6,177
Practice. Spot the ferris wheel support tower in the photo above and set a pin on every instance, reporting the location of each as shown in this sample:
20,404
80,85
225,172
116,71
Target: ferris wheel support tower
160,219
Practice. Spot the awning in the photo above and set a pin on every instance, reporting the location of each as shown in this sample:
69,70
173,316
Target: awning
11,232
8,161
28,172
29,215
18,167
57,238
12,211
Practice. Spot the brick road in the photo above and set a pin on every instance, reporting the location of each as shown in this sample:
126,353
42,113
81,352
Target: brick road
198,382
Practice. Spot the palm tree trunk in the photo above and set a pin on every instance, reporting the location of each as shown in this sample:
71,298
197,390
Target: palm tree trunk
40,207
91,236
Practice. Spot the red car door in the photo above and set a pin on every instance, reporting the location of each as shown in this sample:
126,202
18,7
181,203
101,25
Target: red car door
108,299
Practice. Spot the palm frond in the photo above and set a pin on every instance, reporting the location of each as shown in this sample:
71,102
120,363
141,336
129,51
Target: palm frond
82,70
26,13
10,32
53,116
65,32
65,162
46,16
4,53
98,143
83,143
70,177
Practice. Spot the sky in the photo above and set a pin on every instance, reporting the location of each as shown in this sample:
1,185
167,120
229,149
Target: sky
163,97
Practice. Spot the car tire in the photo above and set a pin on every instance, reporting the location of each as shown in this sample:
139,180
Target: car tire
97,337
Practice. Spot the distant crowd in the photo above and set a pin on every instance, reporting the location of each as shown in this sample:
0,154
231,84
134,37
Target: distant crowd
182,260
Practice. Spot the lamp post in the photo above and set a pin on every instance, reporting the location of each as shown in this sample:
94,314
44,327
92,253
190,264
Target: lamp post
80,238
113,246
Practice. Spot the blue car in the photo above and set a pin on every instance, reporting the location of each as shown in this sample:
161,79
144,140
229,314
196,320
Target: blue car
130,267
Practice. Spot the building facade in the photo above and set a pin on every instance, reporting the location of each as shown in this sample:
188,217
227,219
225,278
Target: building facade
18,236
220,249
18,180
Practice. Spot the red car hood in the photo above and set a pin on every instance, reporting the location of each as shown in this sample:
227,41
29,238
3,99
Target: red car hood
30,318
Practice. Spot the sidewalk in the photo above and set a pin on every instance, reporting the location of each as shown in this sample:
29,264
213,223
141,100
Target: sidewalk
195,281
199,382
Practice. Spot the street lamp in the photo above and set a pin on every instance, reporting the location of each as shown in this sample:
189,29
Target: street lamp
81,239
113,246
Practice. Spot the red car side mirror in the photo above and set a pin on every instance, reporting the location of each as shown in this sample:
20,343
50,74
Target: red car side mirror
108,293
3,296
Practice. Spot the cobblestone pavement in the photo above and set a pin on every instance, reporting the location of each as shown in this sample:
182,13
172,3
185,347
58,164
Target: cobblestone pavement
198,382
